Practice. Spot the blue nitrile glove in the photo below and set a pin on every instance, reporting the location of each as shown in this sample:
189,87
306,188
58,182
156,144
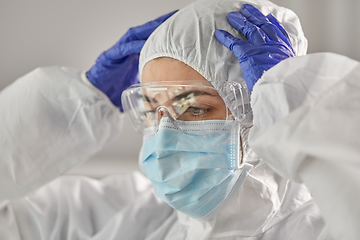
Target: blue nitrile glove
117,68
268,43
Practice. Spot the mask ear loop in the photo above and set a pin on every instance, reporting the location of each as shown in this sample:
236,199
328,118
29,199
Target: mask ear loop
168,114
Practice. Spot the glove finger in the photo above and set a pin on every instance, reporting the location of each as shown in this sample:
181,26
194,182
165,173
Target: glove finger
252,33
143,32
285,36
237,46
275,35
119,51
254,15
274,21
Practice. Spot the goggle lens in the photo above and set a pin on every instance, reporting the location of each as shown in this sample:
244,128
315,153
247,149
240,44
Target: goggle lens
183,101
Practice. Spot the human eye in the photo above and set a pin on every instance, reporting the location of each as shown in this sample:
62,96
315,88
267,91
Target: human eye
193,113
198,111
149,114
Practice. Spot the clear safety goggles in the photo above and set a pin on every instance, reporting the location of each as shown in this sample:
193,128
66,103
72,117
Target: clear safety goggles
198,100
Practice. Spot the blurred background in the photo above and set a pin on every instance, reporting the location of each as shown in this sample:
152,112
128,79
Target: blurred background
73,33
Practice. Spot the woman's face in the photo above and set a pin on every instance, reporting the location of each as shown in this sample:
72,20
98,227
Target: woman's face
207,105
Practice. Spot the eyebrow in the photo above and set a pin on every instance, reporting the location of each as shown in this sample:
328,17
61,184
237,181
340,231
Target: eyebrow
178,97
147,98
195,93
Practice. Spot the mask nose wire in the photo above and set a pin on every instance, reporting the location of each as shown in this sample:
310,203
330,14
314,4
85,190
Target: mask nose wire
163,109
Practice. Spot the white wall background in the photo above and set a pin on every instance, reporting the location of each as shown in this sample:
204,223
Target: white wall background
329,25
74,32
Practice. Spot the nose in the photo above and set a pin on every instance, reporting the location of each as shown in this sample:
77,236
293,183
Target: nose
162,112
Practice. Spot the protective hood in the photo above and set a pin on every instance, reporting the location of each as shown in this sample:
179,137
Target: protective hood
265,199
188,36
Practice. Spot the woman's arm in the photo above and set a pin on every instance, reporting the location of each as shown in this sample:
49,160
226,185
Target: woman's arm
52,120
306,127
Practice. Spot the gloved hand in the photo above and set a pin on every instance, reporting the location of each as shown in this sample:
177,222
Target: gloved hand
116,69
268,43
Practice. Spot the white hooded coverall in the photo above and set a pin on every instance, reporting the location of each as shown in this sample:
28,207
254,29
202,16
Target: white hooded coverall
306,111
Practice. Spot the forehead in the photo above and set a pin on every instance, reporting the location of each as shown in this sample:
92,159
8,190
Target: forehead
168,69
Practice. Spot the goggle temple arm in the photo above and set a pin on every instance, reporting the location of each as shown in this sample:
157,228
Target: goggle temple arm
239,95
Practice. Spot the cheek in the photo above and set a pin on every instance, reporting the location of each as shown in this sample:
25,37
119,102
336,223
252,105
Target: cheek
220,112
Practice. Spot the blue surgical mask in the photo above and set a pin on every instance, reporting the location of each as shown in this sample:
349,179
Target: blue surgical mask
195,168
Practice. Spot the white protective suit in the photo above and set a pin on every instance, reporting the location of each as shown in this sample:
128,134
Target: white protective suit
305,122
